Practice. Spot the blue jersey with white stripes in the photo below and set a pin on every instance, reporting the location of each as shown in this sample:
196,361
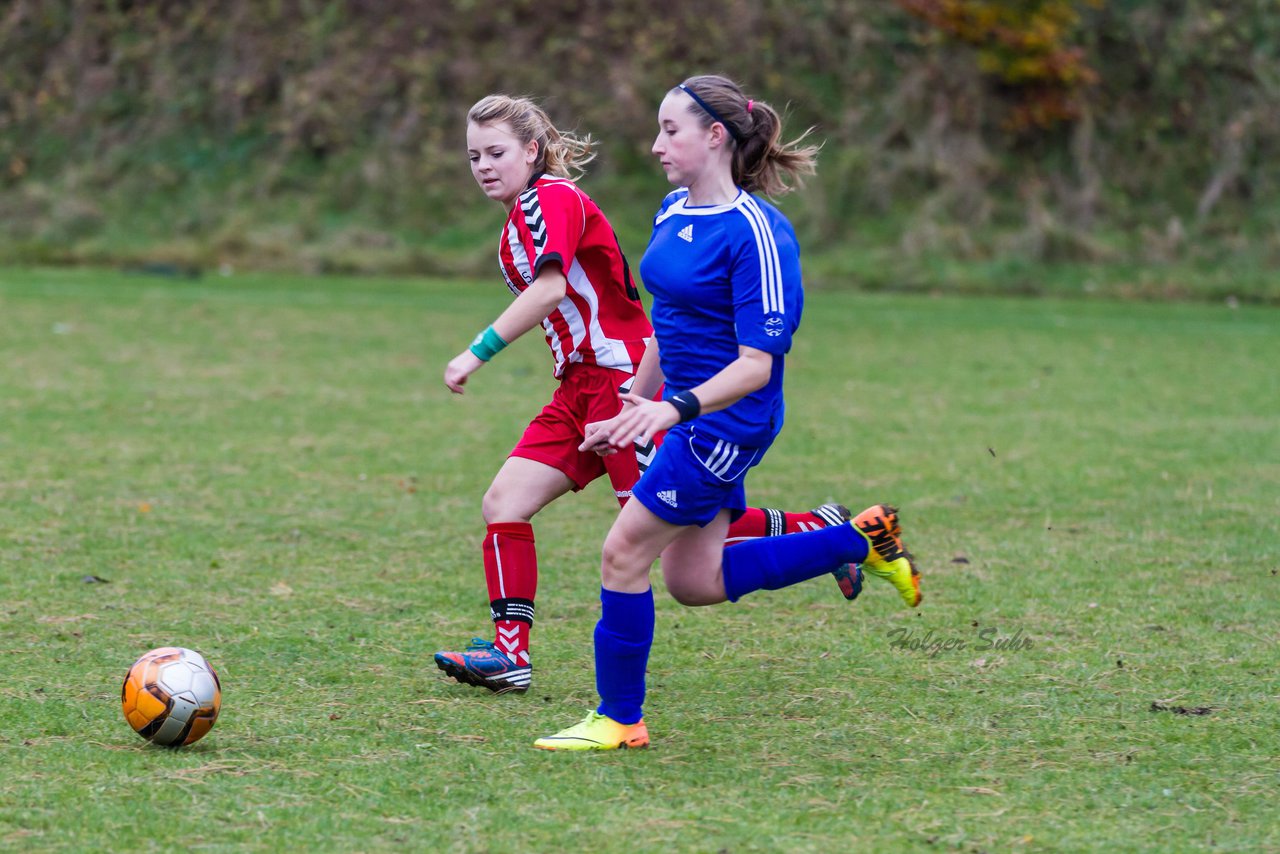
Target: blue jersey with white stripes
723,276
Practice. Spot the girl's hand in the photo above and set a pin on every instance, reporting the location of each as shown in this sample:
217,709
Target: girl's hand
462,366
596,438
640,418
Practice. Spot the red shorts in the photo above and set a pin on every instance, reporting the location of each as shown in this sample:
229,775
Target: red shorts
586,393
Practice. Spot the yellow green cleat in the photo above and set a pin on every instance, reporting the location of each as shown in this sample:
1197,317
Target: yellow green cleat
597,732
887,557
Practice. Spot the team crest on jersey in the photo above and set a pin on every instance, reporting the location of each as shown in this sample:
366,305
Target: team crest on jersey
774,325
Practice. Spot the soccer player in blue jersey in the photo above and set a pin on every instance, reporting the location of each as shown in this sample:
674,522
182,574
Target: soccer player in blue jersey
723,267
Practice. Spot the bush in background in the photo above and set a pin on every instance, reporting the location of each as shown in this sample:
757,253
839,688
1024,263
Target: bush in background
328,135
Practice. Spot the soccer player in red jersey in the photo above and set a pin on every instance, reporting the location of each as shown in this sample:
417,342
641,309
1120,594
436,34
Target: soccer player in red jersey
562,262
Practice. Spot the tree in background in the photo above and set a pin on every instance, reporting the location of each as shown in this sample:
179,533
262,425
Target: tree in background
325,134
1027,46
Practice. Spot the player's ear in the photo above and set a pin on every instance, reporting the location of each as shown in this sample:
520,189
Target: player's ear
718,135
531,152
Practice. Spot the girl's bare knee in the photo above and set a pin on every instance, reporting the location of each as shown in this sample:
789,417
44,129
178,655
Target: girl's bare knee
693,591
491,505
684,596
499,506
619,567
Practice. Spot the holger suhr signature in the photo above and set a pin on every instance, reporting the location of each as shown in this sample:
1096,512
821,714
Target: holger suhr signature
931,643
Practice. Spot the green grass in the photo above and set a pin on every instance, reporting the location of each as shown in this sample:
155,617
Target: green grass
269,470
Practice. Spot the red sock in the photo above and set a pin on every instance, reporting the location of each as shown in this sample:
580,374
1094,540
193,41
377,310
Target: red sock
759,522
511,571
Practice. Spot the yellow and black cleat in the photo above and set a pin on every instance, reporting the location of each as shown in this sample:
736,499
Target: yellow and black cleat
887,557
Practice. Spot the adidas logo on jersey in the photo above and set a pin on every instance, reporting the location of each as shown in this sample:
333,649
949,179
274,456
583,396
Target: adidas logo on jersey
686,233
668,496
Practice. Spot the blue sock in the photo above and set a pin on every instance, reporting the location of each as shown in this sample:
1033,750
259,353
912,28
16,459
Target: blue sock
771,563
623,638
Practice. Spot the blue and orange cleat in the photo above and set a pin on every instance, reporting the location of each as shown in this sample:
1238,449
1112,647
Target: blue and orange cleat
597,732
849,575
849,578
484,665
832,514
887,557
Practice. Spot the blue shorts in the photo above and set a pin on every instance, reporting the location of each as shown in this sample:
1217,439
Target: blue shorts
694,476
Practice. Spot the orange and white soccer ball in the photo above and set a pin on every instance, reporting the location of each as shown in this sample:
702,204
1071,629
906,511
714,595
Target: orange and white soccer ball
171,696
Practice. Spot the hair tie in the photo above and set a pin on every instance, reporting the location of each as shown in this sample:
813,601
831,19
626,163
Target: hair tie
750,104
733,132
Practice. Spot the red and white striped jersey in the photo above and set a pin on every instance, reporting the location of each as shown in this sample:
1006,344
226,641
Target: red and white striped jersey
600,321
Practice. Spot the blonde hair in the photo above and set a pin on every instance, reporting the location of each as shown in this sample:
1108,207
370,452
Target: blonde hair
761,161
559,153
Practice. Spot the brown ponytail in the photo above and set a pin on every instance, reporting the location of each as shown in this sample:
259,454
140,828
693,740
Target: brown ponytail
761,161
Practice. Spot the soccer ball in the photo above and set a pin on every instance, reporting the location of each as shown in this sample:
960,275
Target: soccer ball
171,696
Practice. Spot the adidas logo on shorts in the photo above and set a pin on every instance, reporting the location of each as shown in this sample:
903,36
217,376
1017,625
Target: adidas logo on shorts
686,233
668,496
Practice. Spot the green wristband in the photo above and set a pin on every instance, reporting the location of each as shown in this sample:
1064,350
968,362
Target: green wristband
487,345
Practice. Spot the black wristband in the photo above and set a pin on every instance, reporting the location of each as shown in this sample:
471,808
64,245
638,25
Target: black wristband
686,404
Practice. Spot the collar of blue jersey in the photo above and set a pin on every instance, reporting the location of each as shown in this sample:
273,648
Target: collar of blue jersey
719,207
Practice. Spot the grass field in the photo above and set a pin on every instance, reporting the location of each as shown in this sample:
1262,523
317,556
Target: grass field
270,471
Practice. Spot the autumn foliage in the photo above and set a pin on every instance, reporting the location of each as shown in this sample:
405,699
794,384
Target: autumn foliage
256,130
1027,47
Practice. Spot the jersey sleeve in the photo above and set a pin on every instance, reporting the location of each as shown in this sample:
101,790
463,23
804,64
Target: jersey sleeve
556,218
765,280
